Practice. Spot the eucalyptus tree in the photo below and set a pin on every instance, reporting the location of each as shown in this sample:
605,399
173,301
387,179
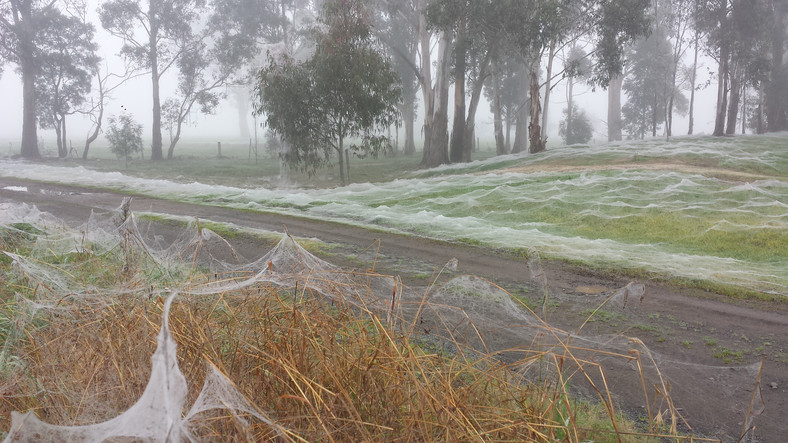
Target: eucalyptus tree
675,18
692,74
199,83
468,21
649,86
435,92
206,42
740,37
154,33
347,89
502,94
750,54
538,28
398,27
652,85
577,67
617,24
776,100
716,18
26,31
533,27
576,126
68,57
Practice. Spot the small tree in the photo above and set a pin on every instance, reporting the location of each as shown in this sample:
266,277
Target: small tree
125,137
575,127
346,90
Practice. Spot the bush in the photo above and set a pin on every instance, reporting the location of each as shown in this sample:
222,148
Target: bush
125,137
577,129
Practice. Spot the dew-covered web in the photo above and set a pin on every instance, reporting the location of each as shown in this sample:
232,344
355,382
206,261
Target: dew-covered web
468,309
466,314
198,263
683,222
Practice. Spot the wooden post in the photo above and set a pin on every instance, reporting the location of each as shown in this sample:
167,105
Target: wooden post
219,145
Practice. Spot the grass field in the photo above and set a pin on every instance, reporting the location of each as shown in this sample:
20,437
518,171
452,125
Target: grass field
695,209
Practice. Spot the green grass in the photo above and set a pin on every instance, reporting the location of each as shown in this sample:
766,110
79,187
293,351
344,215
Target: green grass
197,160
684,213
729,356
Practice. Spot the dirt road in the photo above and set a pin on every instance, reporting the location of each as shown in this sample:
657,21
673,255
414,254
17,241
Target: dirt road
714,334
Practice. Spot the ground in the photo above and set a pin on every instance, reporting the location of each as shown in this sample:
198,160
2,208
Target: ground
707,342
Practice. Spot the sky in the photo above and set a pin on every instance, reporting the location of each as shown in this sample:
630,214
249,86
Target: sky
134,97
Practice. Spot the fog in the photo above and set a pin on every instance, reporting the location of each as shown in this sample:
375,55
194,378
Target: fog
134,97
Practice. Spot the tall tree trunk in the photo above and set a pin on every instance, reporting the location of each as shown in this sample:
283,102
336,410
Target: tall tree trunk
470,122
722,74
669,109
425,77
776,88
174,140
614,109
722,92
59,136
438,152
548,80
500,143
759,126
23,20
408,116
521,125
733,104
570,85
458,128
654,113
744,109
29,118
342,162
153,54
508,135
693,82
63,136
94,135
242,104
534,129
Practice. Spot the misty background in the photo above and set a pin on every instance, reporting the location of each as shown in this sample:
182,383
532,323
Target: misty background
134,97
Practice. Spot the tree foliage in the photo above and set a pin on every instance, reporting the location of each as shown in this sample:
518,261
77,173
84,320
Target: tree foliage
31,36
65,75
208,43
346,89
649,87
575,127
125,137
619,22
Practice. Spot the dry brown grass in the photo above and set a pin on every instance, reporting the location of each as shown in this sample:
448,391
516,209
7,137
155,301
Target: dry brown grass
325,373
321,370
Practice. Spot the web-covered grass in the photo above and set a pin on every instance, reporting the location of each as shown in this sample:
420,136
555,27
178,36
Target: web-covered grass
286,346
704,209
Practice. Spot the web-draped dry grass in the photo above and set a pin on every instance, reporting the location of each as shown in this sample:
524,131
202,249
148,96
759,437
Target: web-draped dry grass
320,369
325,373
